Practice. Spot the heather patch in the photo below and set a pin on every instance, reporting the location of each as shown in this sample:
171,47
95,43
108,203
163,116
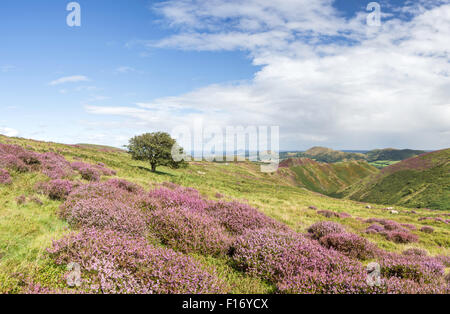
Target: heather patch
350,244
323,228
297,264
56,189
189,231
5,177
239,218
114,262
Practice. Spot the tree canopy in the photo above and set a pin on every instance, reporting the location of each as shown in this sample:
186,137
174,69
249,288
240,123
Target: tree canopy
156,148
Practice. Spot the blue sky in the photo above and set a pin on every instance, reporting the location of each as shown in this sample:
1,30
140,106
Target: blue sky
136,66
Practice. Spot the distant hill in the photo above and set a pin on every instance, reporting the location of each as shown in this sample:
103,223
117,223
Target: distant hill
422,181
378,157
325,178
392,154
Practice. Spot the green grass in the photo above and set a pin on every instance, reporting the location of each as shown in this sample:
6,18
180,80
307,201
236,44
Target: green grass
424,182
27,230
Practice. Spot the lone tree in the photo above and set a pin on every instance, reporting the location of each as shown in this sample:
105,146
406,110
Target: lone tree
155,148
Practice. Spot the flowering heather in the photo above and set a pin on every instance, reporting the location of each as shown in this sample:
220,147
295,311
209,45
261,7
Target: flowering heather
5,177
239,218
87,172
444,259
415,252
297,264
409,226
393,231
55,166
350,245
125,185
104,170
179,197
113,262
375,228
17,158
189,231
323,228
401,236
344,215
421,269
427,229
105,206
56,189
104,214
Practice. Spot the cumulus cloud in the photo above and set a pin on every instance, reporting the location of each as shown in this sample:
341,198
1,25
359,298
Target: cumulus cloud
8,131
324,78
69,79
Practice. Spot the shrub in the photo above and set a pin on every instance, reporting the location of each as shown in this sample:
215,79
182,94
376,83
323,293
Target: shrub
104,205
444,259
56,189
189,231
415,252
239,218
104,214
344,215
401,237
350,245
125,185
427,229
409,226
55,166
120,263
323,228
5,177
296,264
417,268
328,213
179,197
375,228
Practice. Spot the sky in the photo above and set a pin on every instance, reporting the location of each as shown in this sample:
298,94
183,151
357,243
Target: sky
314,68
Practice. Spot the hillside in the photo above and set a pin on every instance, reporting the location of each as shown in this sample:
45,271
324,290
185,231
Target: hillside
392,154
378,158
113,210
422,181
326,178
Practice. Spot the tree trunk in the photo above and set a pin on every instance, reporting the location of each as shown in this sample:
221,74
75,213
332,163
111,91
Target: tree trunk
153,167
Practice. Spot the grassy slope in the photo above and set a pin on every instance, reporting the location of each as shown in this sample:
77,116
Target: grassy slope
423,181
27,230
379,158
328,178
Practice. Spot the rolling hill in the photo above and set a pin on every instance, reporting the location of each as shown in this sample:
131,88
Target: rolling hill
378,158
422,181
325,178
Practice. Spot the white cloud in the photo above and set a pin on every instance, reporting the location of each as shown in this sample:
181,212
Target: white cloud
125,69
8,131
389,87
69,79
